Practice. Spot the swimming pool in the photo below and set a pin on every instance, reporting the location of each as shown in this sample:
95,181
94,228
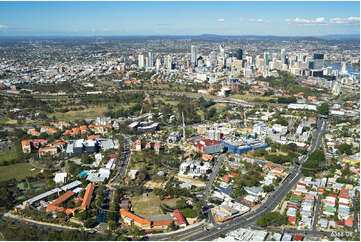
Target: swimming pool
84,173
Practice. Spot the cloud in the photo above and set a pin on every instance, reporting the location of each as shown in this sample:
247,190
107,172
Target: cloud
220,19
297,20
3,26
322,20
259,20
344,20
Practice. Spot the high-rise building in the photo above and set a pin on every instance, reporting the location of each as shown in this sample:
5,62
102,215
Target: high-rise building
266,59
343,68
157,64
146,61
221,50
317,61
239,54
168,62
150,59
194,55
141,61
283,56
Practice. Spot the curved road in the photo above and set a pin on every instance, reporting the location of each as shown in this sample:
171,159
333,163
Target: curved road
272,202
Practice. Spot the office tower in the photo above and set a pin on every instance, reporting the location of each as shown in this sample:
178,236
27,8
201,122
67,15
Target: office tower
194,55
169,62
213,59
311,64
343,68
239,54
283,56
146,61
157,65
150,59
318,61
249,60
266,59
221,50
141,61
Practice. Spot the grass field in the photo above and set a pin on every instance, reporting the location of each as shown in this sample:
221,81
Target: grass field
11,155
250,98
219,107
171,203
17,171
80,114
146,206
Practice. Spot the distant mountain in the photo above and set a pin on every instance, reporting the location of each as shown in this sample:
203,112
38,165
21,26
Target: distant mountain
195,37
341,36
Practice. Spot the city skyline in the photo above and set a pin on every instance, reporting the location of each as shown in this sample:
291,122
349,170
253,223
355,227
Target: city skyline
179,18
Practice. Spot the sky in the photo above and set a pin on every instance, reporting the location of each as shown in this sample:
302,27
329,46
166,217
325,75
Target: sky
179,18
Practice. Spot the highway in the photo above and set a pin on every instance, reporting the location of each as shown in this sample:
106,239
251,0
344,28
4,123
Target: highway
212,178
123,162
272,202
317,213
245,221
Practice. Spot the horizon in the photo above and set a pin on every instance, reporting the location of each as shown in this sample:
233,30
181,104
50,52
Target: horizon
298,19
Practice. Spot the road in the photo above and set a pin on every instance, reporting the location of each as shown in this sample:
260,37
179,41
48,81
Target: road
272,202
356,214
212,178
302,232
317,213
123,162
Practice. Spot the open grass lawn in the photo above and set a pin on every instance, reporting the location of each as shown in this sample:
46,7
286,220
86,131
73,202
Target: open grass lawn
250,98
171,203
165,100
219,107
17,171
80,114
11,155
146,206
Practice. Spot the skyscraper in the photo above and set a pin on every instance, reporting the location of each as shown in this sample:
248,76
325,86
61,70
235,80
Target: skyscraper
146,61
157,64
221,50
343,68
318,61
150,59
169,62
283,56
239,54
266,59
141,61
194,55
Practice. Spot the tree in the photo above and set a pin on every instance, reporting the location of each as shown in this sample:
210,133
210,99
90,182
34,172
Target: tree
344,149
86,159
188,213
272,218
181,204
314,163
90,223
323,109
268,188
122,238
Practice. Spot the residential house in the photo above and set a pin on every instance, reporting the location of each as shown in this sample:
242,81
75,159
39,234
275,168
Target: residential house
50,150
